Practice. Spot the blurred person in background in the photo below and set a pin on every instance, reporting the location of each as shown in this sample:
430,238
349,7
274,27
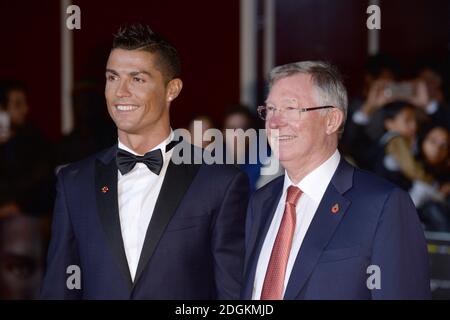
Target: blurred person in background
435,143
240,147
436,109
433,202
418,167
396,161
206,123
93,130
23,239
26,155
9,205
379,70
366,117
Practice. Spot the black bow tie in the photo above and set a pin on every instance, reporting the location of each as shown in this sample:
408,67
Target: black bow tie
126,161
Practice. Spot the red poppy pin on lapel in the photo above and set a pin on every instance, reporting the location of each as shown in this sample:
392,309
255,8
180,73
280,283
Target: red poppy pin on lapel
335,208
105,189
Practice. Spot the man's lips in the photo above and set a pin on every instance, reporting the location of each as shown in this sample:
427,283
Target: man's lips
283,137
286,137
126,107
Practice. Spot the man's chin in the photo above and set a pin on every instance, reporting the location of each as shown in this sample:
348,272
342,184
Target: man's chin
127,129
284,155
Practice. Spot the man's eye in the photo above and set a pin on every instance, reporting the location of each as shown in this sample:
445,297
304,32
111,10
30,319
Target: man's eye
270,109
291,108
111,77
139,80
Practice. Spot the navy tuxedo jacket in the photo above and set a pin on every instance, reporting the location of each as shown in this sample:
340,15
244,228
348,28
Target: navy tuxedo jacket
194,245
376,224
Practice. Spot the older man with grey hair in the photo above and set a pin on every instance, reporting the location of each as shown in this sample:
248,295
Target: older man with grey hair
326,230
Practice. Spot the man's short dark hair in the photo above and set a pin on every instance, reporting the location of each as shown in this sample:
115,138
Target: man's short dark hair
6,86
392,109
141,37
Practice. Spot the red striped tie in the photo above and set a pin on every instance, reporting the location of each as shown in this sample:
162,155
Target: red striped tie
274,281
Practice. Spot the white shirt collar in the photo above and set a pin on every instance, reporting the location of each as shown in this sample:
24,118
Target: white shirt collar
315,183
161,146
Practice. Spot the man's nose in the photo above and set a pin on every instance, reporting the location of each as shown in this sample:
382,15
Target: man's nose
277,120
122,89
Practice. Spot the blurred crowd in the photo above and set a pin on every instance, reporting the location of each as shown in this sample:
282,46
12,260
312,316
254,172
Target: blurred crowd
29,162
397,127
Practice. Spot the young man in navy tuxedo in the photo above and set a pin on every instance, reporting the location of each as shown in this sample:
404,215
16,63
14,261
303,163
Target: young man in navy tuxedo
325,229
129,221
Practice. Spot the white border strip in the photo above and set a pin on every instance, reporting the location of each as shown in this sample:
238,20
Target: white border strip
269,37
373,36
248,52
66,71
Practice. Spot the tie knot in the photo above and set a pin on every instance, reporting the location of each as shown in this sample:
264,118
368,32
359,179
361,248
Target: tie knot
293,194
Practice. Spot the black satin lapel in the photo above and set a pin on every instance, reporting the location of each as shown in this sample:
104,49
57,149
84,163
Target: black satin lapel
176,182
108,210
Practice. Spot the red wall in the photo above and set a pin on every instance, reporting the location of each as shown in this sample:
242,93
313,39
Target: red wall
416,30
206,33
336,31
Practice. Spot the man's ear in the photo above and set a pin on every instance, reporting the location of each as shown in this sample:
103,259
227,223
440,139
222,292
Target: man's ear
173,89
335,117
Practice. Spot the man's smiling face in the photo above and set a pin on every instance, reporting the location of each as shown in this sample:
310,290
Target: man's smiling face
295,140
135,91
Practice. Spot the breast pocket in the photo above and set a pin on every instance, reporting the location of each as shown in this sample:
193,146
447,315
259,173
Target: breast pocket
184,223
332,255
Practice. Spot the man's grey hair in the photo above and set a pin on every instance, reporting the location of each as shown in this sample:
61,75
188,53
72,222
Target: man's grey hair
327,80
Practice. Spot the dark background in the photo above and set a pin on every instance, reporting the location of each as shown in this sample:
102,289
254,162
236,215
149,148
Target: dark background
206,34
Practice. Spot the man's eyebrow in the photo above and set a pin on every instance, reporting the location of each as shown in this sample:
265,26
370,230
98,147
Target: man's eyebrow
132,73
135,73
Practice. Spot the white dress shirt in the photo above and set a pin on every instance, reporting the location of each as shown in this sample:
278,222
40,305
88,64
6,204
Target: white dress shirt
138,191
313,186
